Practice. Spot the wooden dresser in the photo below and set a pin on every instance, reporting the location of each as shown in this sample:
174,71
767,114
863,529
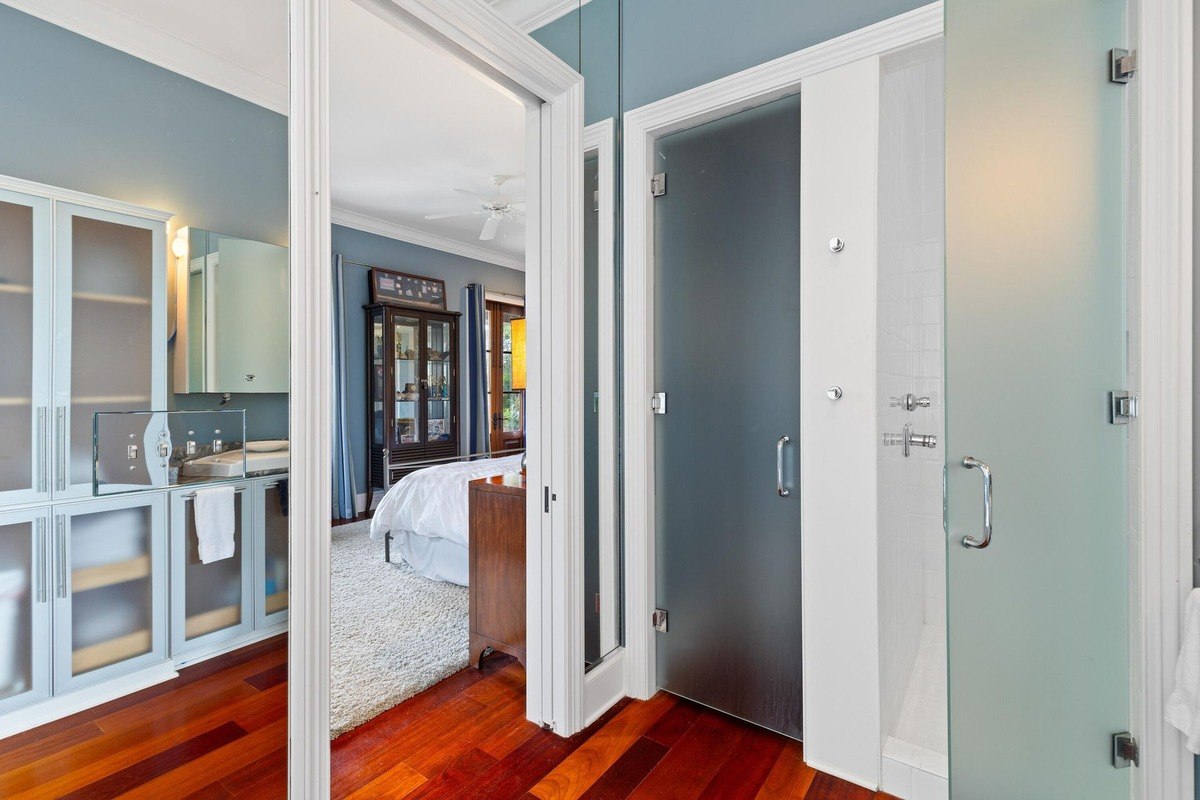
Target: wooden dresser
497,552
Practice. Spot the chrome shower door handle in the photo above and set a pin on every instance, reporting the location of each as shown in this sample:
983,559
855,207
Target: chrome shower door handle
779,466
970,462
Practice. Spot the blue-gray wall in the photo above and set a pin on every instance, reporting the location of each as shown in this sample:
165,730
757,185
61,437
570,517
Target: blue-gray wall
380,251
83,116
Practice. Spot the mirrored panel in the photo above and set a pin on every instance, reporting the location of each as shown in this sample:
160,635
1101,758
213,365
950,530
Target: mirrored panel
232,306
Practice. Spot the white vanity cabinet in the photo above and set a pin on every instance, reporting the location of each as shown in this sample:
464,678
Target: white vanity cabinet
210,602
24,608
83,321
236,599
108,577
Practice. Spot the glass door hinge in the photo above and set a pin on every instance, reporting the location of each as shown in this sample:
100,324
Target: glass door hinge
1122,65
1125,751
659,620
658,185
658,402
1122,407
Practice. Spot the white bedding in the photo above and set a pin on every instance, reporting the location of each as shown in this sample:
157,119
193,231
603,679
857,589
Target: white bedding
426,511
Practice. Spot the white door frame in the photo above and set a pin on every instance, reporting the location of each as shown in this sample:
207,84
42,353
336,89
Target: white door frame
474,33
642,128
1160,279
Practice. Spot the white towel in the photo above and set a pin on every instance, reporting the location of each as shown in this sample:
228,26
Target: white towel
213,508
1183,706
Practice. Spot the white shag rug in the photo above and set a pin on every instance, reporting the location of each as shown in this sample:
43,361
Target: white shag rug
393,632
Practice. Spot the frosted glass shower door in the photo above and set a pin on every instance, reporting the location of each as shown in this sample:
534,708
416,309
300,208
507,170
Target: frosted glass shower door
726,352
1038,631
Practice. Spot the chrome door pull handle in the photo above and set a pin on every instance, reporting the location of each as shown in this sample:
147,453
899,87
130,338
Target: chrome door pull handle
779,466
970,462
60,430
43,445
39,560
60,552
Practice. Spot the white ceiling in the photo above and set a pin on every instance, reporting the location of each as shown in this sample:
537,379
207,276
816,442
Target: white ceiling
399,146
409,125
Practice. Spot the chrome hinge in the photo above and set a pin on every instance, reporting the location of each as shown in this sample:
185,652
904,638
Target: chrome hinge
659,620
546,498
596,200
1122,407
1125,752
1122,65
658,185
658,402
597,602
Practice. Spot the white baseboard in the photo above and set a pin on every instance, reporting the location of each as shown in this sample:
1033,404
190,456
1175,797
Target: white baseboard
360,503
70,703
228,646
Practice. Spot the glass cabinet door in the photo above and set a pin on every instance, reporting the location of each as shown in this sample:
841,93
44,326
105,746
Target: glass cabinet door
210,601
24,609
271,592
109,338
109,587
439,380
406,342
25,330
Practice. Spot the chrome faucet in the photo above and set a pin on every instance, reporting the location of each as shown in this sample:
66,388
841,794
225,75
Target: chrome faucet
909,440
910,402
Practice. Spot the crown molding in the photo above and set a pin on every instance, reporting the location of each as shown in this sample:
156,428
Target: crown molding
160,47
529,15
403,233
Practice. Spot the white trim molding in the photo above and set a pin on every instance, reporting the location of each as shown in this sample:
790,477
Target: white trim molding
403,233
642,127
1161,447
553,93
164,48
529,15
59,194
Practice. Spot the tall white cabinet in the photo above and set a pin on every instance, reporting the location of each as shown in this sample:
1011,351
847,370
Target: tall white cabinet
83,581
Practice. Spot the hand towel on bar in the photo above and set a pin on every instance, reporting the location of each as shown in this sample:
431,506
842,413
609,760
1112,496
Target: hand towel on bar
1183,706
213,508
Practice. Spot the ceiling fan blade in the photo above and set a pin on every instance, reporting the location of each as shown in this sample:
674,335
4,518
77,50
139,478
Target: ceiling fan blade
473,195
450,216
519,205
489,229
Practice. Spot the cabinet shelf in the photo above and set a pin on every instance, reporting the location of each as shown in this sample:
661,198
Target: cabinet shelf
101,297
86,659
276,602
88,578
209,621
15,288
12,402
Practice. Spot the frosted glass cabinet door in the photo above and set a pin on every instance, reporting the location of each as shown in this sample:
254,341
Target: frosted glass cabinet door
109,584
209,602
1038,632
109,331
271,588
25,330
24,608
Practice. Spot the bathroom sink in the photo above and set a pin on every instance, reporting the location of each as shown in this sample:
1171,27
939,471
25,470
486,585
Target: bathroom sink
229,463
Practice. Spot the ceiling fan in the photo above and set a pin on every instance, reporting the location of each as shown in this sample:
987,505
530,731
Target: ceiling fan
497,207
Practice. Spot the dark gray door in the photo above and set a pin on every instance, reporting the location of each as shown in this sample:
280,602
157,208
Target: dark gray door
727,339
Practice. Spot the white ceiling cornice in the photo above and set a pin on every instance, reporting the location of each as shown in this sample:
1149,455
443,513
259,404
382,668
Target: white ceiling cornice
529,15
159,46
403,233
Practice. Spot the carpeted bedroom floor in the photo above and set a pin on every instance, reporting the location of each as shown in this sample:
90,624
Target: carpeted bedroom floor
393,632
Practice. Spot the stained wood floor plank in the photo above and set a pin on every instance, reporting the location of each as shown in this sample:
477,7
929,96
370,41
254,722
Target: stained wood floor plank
465,770
693,761
675,723
214,791
398,782
571,778
435,753
49,746
747,768
122,781
272,676
264,779
508,738
827,787
619,780
790,778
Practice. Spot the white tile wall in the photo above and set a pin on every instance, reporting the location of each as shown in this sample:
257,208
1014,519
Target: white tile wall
910,359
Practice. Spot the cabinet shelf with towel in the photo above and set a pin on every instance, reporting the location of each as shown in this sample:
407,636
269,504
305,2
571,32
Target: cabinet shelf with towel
228,600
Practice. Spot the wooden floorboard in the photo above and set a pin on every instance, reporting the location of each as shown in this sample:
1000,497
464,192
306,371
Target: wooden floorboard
219,732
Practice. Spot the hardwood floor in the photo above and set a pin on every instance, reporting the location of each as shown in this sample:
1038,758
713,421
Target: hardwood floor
218,732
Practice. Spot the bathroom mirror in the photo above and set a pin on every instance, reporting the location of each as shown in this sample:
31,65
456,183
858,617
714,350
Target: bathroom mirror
232,307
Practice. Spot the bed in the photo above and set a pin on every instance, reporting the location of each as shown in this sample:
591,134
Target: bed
425,515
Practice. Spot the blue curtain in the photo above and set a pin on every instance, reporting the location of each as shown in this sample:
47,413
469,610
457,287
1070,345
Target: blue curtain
343,464
474,314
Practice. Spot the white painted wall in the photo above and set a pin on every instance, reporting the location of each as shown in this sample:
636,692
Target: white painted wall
839,152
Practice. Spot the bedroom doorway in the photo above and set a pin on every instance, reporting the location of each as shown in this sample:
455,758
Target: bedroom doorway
429,242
